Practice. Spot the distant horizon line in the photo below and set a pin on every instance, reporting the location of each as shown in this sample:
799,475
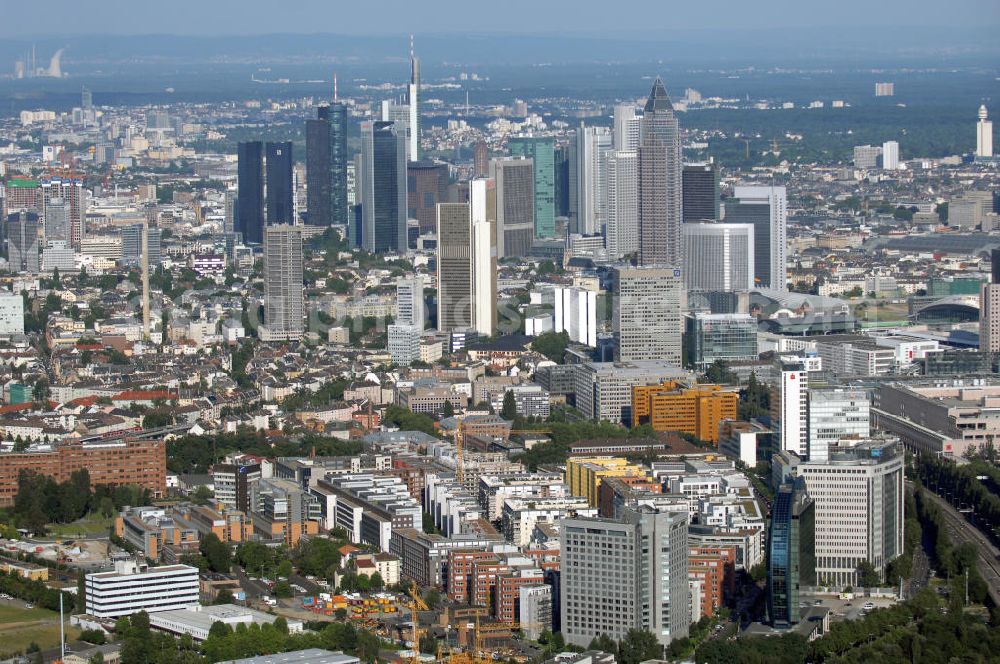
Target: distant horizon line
578,33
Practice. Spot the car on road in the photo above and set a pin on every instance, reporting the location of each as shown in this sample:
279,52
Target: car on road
868,606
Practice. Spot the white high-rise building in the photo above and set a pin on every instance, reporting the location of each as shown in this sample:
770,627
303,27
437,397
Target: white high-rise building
858,495
622,203
984,134
866,156
624,574
766,208
591,187
890,155
400,116
626,129
284,307
11,314
720,257
576,314
483,216
790,408
413,105
404,343
410,301
647,313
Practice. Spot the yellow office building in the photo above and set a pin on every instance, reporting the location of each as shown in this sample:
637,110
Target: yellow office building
584,474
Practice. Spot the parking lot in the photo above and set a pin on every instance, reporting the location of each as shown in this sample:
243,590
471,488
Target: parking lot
848,609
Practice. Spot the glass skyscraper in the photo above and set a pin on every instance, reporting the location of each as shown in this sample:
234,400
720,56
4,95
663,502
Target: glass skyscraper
250,193
541,150
280,209
701,192
383,187
319,197
792,563
660,182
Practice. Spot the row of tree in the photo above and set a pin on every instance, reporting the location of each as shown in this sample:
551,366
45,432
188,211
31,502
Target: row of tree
961,487
41,500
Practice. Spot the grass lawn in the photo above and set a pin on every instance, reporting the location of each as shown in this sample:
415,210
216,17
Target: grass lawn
91,525
20,627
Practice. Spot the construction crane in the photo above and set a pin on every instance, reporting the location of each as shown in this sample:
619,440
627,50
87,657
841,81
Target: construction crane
418,604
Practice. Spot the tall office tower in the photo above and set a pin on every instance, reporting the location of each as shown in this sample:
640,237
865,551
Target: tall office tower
336,115
250,191
398,114
836,414
480,160
71,192
764,208
86,99
626,128
466,261
427,185
515,211
989,309
229,214
413,105
410,301
591,187
700,192
383,187
792,563
660,182
319,180
647,313
719,257
483,207
132,244
56,227
561,168
22,242
790,408
280,208
890,155
622,204
283,304
858,496
541,151
984,134
624,574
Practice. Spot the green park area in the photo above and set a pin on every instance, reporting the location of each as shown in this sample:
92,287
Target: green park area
21,629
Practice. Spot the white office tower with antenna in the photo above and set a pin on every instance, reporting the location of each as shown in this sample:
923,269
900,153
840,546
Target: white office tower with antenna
984,134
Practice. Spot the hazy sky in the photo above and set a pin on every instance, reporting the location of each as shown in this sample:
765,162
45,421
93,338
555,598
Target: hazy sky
218,17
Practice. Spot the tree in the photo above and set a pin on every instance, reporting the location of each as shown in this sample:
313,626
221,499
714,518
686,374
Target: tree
509,409
719,372
868,576
639,646
448,410
220,629
216,552
604,643
552,345
225,596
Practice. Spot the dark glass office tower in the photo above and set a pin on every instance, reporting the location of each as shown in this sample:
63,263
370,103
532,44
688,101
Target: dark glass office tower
250,192
562,181
758,215
426,186
701,192
280,209
792,563
336,115
319,181
383,187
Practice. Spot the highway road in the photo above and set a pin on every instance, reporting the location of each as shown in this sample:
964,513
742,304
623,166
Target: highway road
961,531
